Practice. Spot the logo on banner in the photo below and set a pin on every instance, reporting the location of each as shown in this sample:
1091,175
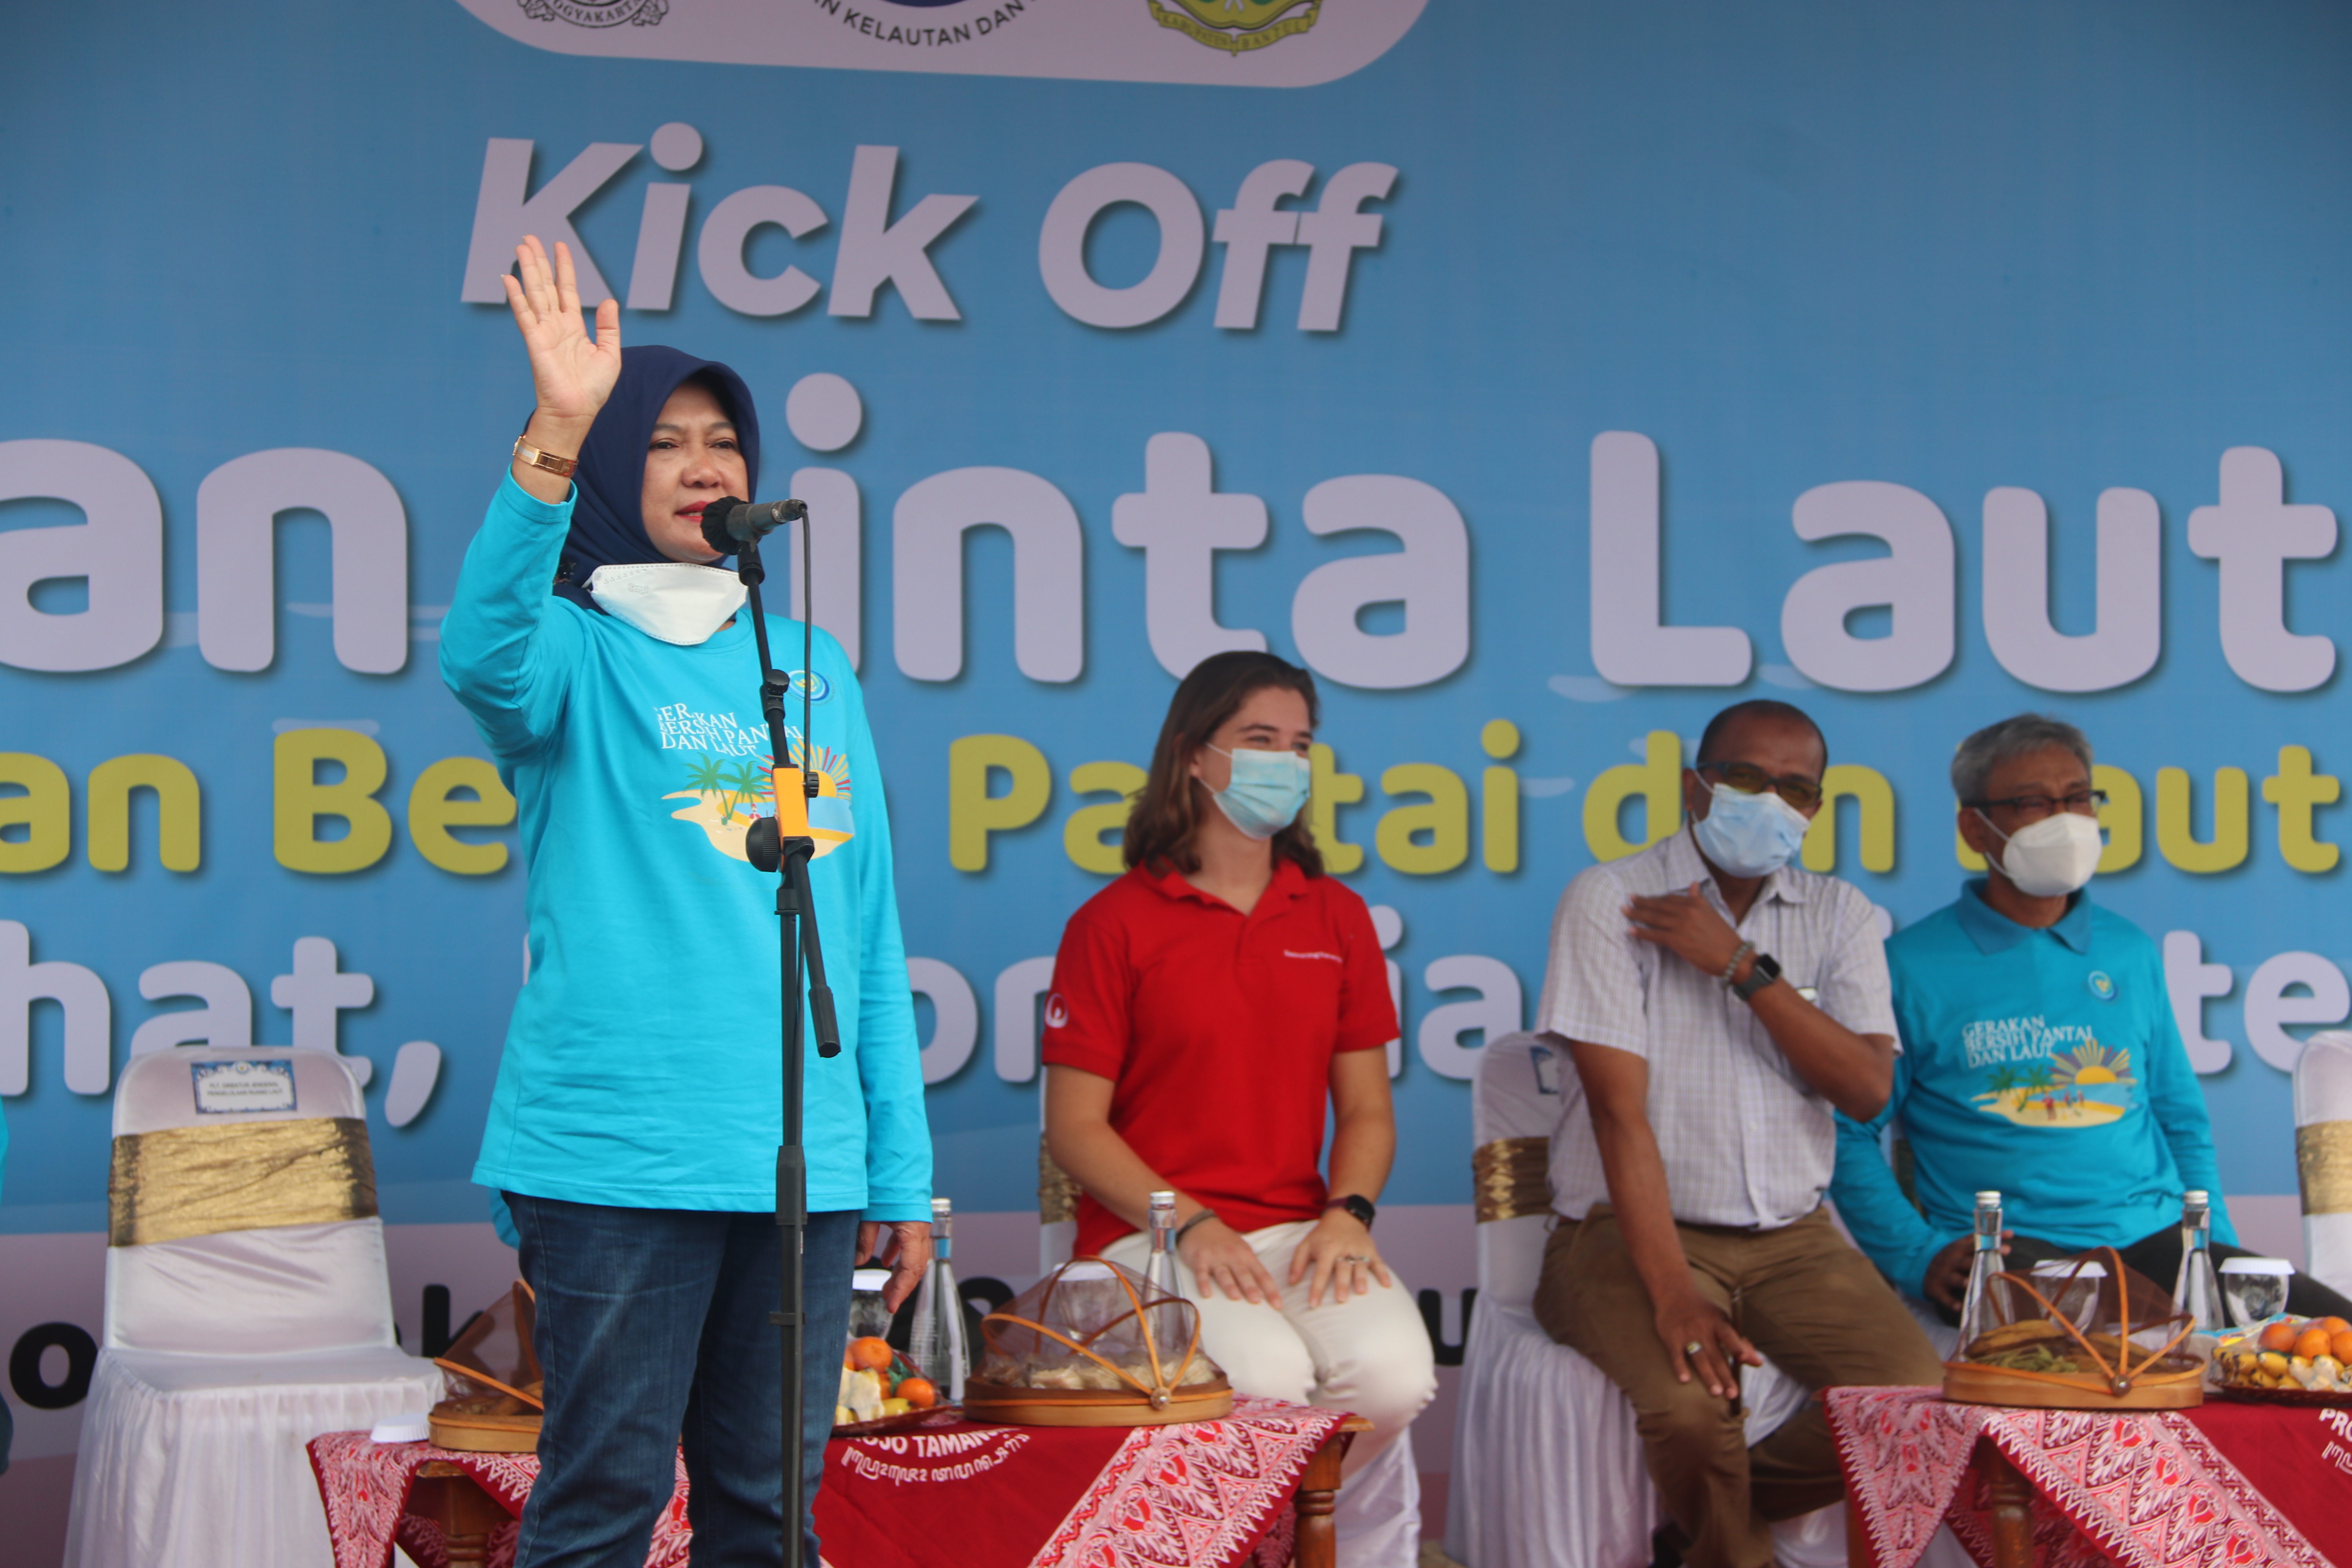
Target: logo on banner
596,13
969,21
1236,27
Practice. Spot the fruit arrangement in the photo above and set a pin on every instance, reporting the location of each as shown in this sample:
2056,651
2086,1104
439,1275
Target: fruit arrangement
2311,1354
878,1382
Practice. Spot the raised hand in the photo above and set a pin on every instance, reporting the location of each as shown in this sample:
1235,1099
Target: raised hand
571,372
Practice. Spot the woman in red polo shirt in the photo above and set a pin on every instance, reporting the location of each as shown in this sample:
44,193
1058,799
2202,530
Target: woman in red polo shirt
1206,1007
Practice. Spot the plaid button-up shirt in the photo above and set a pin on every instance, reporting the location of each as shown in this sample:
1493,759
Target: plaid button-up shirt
1745,1141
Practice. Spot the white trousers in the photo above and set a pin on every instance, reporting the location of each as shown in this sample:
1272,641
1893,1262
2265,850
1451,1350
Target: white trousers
1369,1354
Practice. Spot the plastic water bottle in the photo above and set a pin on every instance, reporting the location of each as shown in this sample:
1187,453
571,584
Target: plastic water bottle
937,1342
1976,1307
2198,1291
1160,1271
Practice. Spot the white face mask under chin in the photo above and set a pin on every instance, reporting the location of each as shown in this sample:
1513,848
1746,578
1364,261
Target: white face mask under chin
674,601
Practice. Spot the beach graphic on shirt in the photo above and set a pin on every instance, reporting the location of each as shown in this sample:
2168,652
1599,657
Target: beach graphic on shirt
726,795
2086,1086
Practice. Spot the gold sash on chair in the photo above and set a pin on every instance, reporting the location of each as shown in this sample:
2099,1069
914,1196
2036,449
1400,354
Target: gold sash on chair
199,1181
1512,1177
2323,1165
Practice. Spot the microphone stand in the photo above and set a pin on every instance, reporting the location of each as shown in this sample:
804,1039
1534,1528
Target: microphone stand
767,849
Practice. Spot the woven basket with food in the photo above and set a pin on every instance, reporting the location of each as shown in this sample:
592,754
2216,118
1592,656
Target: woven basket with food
1093,1344
2086,1335
497,1396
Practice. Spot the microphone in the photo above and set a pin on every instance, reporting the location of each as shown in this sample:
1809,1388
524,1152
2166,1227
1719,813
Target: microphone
728,523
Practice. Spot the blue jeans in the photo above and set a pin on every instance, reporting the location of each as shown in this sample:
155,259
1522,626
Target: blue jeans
653,1330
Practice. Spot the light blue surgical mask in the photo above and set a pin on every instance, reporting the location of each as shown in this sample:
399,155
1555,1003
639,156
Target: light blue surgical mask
1750,834
1266,791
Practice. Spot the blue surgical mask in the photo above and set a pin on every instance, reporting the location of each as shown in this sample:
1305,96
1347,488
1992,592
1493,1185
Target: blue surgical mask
1750,834
1266,791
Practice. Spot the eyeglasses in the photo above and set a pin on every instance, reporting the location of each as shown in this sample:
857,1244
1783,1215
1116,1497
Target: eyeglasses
1748,779
2034,807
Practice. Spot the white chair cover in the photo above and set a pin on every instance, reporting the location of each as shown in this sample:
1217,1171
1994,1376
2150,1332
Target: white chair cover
1548,1467
2323,1126
225,1354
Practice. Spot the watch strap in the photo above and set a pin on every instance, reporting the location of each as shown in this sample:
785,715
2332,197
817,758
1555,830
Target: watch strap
1765,969
1355,1203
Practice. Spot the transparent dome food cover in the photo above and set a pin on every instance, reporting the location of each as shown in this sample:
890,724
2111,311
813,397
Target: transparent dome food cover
1093,1325
492,1358
2084,1317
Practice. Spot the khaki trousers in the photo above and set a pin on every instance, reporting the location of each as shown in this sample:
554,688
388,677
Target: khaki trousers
1802,1295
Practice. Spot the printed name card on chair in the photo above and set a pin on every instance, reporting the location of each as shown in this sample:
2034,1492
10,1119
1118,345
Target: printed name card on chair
247,1310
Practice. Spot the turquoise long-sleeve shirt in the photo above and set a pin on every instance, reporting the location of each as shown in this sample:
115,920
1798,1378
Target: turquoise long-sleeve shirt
641,1064
2043,1064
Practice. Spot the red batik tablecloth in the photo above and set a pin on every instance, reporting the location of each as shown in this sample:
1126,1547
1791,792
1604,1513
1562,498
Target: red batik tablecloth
365,1488
2228,1485
1204,1494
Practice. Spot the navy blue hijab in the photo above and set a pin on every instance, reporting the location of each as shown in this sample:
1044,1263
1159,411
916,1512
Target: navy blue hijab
608,523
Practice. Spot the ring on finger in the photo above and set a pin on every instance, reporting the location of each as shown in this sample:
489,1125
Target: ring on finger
1693,1348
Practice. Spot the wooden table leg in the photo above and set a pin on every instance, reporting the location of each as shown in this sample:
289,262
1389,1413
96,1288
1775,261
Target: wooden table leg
467,1514
2012,1510
1314,1545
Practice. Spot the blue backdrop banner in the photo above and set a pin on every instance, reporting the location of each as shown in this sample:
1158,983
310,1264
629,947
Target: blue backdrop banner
1544,377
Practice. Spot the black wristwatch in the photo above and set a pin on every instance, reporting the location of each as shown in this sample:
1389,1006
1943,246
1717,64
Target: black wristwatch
1762,973
1362,1207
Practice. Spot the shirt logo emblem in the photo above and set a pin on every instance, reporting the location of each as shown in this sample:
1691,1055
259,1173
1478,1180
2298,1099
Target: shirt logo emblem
1333,957
2102,986
1057,1012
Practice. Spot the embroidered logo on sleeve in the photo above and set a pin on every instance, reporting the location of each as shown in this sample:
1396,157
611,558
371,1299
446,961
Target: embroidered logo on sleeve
1057,1012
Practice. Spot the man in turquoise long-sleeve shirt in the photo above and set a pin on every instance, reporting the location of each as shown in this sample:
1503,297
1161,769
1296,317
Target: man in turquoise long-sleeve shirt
2039,1056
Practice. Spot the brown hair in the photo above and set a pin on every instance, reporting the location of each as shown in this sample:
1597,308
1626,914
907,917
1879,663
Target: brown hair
1160,828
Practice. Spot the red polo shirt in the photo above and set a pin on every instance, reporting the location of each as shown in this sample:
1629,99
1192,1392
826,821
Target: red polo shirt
1218,1029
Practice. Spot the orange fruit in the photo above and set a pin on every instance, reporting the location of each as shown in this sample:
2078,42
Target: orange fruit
869,1354
2340,1347
848,1362
2281,1336
2312,1344
2334,1326
917,1392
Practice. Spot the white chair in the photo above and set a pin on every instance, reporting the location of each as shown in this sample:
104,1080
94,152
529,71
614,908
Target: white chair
247,1310
1548,1467
2323,1155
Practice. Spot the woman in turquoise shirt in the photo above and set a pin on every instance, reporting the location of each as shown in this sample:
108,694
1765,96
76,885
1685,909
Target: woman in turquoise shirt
633,1131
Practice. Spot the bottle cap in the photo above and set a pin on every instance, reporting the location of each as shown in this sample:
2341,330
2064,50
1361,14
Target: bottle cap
2196,1195
941,1208
1991,1198
1163,1200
